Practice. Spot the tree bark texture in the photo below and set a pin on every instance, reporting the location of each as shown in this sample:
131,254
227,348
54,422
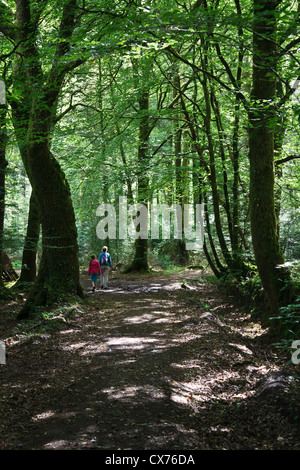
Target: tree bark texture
261,152
29,257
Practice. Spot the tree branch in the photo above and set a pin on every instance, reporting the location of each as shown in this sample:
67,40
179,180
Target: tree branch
286,159
199,69
61,67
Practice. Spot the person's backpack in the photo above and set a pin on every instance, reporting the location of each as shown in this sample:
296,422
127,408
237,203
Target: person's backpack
104,259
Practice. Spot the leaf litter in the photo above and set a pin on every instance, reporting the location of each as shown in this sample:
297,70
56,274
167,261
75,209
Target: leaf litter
147,364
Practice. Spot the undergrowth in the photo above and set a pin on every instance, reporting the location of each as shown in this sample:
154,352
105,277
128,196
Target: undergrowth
251,295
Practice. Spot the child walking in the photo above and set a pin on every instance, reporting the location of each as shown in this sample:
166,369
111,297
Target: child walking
94,271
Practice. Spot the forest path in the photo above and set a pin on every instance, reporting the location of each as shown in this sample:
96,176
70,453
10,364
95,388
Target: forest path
154,362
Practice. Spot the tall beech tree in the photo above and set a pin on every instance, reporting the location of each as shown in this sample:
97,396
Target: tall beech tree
140,68
140,260
36,90
262,120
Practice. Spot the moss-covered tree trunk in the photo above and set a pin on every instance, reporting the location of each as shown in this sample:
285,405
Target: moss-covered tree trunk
58,273
261,152
34,115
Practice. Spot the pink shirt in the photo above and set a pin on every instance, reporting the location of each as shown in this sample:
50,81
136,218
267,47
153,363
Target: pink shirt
94,267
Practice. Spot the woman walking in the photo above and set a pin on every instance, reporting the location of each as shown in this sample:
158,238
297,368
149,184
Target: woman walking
105,264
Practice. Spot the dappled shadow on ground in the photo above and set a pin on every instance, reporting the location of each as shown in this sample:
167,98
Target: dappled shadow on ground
146,364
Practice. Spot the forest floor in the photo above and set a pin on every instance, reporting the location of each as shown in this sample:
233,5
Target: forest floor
159,361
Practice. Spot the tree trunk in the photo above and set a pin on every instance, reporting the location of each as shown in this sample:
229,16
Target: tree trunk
59,268
261,152
213,175
180,181
29,258
8,272
140,261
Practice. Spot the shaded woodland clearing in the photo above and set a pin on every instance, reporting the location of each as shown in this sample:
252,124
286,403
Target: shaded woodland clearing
189,102
155,362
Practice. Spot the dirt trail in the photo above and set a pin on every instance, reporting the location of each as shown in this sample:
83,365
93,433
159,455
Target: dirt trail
154,362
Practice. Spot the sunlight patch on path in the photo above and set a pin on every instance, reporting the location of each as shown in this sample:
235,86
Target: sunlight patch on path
154,317
138,288
151,392
131,342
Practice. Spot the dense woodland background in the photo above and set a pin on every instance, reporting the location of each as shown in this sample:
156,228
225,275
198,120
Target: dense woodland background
183,102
